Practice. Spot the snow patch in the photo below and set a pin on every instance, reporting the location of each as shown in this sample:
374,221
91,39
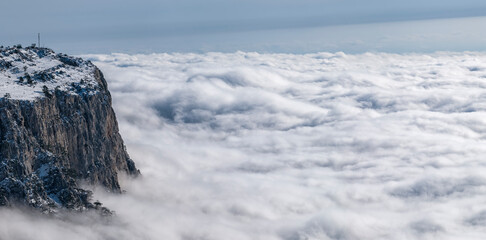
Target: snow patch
26,73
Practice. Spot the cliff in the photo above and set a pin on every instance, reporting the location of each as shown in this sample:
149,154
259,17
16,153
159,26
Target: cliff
57,128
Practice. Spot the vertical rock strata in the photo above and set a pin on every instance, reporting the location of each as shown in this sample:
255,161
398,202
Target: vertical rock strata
51,140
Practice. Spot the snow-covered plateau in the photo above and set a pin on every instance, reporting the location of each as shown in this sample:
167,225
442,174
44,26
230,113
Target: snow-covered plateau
26,72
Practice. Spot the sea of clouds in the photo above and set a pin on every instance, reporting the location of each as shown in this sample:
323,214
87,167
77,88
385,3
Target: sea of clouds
281,146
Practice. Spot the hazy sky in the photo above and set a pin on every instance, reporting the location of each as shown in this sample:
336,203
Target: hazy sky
216,25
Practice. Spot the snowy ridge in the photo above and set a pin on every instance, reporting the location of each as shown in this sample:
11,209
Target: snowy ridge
25,71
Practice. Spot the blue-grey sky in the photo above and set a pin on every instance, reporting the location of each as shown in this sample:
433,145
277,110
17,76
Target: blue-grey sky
91,26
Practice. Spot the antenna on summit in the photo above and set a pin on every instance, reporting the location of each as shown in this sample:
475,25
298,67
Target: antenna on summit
38,40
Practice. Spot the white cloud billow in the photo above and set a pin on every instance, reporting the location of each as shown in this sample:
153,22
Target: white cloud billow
281,146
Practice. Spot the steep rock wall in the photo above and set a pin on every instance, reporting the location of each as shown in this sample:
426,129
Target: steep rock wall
49,144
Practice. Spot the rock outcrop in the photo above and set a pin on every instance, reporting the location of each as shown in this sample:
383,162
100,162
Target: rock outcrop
57,128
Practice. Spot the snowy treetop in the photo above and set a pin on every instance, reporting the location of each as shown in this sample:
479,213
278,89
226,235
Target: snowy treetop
31,72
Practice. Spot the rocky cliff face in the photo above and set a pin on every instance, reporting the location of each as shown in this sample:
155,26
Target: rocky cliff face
57,127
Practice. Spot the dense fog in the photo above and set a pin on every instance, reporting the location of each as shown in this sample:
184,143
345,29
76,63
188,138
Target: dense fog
282,146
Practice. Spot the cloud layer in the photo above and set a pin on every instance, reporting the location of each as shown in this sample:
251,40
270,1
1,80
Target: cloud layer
281,146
